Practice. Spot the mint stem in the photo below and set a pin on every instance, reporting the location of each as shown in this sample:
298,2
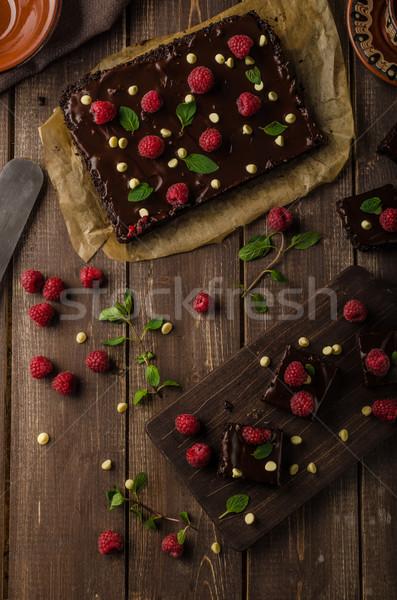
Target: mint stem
279,253
159,516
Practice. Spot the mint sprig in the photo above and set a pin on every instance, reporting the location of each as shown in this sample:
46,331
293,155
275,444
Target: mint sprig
304,240
185,112
198,163
259,303
128,119
140,192
257,247
372,206
254,75
263,451
310,369
274,128
394,358
235,504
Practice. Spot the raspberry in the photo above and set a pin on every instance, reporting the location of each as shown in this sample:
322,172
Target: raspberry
200,80
198,455
32,281
279,219
103,111
41,314
40,366
97,361
203,303
171,546
355,311
64,383
142,225
151,102
240,45
377,362
91,277
256,436
385,410
388,219
53,288
210,140
248,104
187,424
110,542
302,404
177,194
295,374
151,146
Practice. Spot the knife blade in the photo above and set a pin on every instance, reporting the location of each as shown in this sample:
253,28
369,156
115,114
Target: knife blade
20,183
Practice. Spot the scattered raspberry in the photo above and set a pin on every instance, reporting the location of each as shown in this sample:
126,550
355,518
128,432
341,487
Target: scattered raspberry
200,80
203,303
187,424
91,277
302,404
295,374
385,410
64,383
388,219
279,219
110,542
131,230
41,314
240,45
210,140
355,311
177,194
151,146
171,546
103,111
198,455
97,361
40,366
151,102
248,104
32,281
256,436
53,288
377,362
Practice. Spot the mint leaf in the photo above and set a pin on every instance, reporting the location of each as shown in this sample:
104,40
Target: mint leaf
150,524
263,451
139,482
277,276
310,369
128,300
305,240
121,308
259,303
255,249
114,341
111,314
372,205
141,359
198,163
152,375
154,324
185,113
394,358
184,517
240,285
111,493
169,383
117,500
137,513
140,192
235,504
254,75
274,128
181,537
128,119
139,394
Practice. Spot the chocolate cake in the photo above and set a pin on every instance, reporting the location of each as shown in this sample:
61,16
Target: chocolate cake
384,340
231,77
388,145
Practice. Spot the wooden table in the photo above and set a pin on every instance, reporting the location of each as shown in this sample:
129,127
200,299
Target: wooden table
340,545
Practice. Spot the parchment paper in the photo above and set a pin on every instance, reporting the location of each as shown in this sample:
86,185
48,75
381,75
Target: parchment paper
310,40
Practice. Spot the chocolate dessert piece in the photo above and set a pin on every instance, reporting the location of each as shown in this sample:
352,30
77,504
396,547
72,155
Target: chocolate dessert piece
388,145
239,454
386,341
363,227
279,131
280,393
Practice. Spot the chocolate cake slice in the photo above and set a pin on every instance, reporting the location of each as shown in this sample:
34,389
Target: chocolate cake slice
139,126
386,341
388,145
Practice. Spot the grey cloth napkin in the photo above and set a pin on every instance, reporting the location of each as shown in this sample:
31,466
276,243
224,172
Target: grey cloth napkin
80,20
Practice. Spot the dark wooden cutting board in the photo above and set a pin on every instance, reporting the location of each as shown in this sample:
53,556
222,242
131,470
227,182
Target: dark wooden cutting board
242,381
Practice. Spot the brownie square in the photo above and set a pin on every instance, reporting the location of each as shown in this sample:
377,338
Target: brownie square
349,210
386,341
388,145
280,393
237,453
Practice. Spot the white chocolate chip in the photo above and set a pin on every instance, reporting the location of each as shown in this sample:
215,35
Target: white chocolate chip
129,484
172,163
366,225
293,469
43,439
81,337
133,182
236,473
121,167
214,117
216,184
344,435
113,142
259,86
166,328
143,212
230,63
182,152
290,118
273,96
336,349
215,547
249,518
303,342
279,141
191,58
189,98
366,410
327,351
106,465
123,143
247,130
132,90
251,168
311,467
249,61
270,466
86,99
165,133
308,380
122,407
264,361
296,440
220,59
263,40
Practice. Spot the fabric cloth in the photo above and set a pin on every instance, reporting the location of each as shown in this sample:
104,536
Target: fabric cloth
80,20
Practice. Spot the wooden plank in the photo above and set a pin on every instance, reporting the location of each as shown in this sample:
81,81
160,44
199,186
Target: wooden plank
200,574
242,379
58,505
